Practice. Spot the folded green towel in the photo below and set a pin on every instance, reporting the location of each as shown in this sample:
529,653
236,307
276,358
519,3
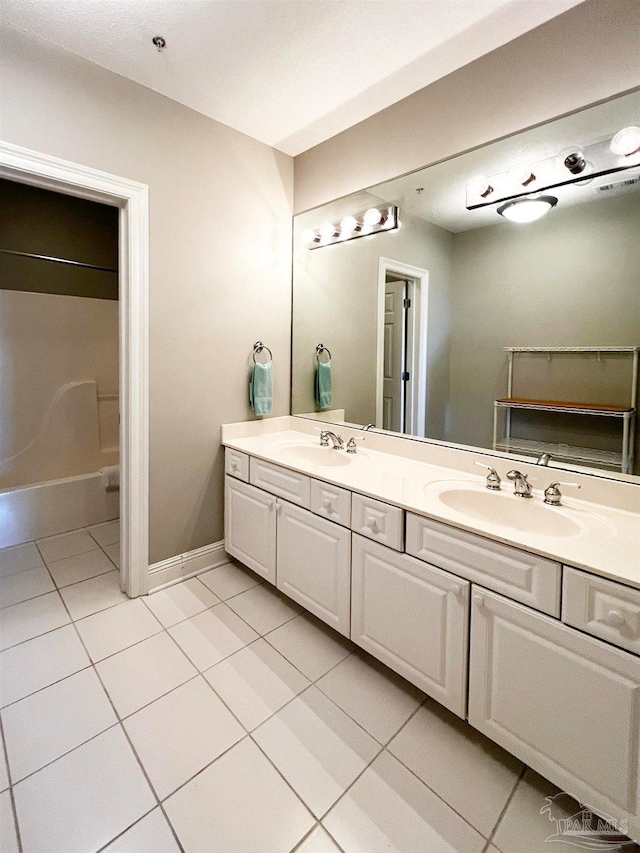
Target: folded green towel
323,393
261,389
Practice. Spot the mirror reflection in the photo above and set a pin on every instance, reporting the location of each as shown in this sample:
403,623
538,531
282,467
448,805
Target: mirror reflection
512,326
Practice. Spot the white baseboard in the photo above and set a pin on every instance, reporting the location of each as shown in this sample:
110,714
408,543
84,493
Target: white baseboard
183,566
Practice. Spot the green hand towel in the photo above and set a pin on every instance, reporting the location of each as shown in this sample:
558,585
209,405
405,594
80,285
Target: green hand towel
323,393
261,389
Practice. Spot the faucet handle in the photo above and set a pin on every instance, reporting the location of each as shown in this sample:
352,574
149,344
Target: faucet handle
351,444
553,495
493,478
324,437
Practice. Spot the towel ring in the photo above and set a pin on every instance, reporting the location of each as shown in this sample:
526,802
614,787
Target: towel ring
320,348
258,347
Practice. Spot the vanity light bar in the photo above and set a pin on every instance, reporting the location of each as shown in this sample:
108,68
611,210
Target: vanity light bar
367,223
572,166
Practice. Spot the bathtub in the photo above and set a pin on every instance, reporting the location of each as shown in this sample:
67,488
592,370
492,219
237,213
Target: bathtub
53,482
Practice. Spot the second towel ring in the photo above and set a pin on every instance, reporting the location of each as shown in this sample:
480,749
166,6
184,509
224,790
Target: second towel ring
320,348
259,347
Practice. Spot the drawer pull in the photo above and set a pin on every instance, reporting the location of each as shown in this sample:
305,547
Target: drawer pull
327,504
478,600
456,589
372,524
234,466
614,619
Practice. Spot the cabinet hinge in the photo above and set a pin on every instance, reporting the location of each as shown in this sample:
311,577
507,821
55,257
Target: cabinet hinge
404,376
406,303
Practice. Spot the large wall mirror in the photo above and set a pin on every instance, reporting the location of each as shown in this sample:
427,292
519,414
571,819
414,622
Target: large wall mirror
473,326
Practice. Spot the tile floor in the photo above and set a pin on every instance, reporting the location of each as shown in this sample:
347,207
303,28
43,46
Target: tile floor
216,716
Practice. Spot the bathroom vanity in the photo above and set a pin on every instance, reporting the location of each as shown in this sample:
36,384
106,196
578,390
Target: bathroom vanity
520,617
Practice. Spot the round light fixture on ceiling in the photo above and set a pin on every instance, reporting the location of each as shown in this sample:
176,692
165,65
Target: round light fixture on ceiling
523,210
626,142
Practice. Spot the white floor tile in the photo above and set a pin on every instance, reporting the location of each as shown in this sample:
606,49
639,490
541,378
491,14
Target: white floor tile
84,799
524,827
24,585
40,662
53,721
317,748
117,628
8,837
29,619
318,842
65,545
150,835
93,595
179,734
81,567
230,579
113,553
388,810
310,645
20,558
4,774
238,805
264,608
212,635
256,682
106,533
179,602
143,673
372,695
472,774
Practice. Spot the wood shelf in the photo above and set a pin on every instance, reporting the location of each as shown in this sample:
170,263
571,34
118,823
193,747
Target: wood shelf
565,406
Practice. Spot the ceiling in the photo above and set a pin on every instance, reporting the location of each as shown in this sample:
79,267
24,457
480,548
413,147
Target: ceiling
290,73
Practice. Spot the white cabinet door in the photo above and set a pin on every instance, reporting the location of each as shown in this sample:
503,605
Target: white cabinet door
566,704
314,564
250,527
414,618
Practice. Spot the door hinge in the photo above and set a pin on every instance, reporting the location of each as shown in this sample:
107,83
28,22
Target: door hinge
404,376
406,303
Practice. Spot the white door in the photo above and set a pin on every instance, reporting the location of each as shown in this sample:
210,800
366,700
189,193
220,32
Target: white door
250,527
414,618
393,365
566,704
314,564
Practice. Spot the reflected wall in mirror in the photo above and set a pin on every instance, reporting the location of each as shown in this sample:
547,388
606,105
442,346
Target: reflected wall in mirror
419,320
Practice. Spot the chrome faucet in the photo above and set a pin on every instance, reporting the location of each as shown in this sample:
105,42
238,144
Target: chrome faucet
543,459
367,427
522,487
493,478
553,495
336,440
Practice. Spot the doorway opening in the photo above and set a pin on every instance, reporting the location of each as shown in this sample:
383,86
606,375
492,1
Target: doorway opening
22,166
401,392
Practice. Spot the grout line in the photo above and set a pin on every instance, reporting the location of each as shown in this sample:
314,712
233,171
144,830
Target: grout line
124,831
14,811
506,806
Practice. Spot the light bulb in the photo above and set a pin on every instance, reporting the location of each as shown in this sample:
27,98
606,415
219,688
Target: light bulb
521,175
480,186
348,225
626,141
309,236
327,230
527,209
372,216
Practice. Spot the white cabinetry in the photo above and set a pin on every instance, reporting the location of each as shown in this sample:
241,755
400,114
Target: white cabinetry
250,527
566,704
412,617
314,564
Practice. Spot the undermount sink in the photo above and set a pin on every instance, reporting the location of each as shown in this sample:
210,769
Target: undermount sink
316,455
506,510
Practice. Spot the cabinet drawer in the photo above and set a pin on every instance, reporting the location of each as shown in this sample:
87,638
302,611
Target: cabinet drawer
377,520
412,617
524,577
331,502
279,481
603,608
236,464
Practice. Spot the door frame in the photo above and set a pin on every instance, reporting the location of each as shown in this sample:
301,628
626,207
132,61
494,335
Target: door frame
416,411
41,170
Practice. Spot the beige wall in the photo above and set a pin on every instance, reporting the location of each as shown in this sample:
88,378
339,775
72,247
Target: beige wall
583,56
220,218
335,301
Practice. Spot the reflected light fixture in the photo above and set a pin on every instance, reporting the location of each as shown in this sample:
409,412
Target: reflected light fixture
524,210
365,224
626,142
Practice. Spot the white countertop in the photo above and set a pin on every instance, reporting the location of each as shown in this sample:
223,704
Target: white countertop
607,542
